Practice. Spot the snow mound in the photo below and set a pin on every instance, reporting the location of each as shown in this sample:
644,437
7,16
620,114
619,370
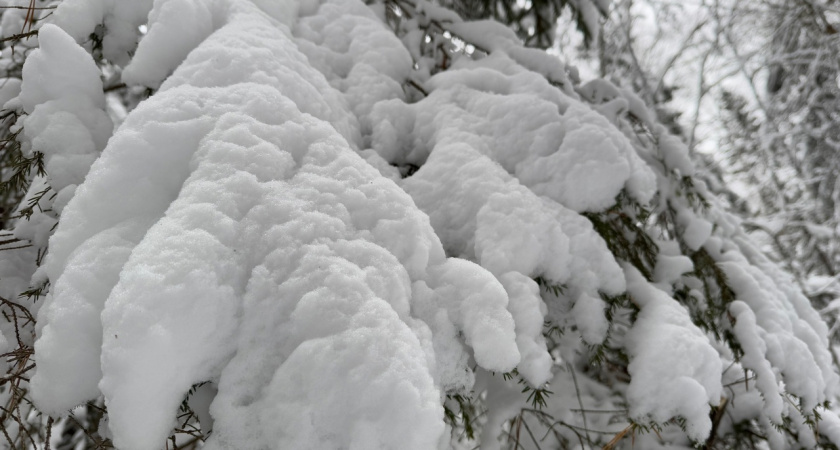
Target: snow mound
317,243
65,123
115,23
572,154
237,238
666,382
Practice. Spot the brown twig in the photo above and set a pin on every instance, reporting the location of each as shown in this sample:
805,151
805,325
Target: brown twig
20,36
618,437
30,16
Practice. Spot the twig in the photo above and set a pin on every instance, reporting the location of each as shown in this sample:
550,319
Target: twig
114,87
580,400
716,421
49,432
415,85
20,36
618,437
528,429
29,7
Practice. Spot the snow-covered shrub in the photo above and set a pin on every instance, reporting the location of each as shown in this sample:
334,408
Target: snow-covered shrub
339,225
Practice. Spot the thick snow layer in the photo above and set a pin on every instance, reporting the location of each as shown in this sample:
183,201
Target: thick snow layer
59,69
249,227
360,57
780,327
788,343
673,367
248,244
120,21
575,157
528,311
72,310
695,230
754,359
477,304
66,122
168,40
481,212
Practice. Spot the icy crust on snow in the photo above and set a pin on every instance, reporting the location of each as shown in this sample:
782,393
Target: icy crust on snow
234,236
65,121
554,145
674,369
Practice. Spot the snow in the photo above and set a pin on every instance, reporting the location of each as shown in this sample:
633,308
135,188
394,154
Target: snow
488,35
252,230
502,116
367,68
480,211
675,154
65,121
9,89
785,338
121,23
59,69
240,199
528,311
477,304
754,350
169,40
82,291
696,230
673,367
671,265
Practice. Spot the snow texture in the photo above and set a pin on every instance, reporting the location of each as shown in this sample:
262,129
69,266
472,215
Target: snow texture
500,112
65,122
666,381
236,237
251,228
115,23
